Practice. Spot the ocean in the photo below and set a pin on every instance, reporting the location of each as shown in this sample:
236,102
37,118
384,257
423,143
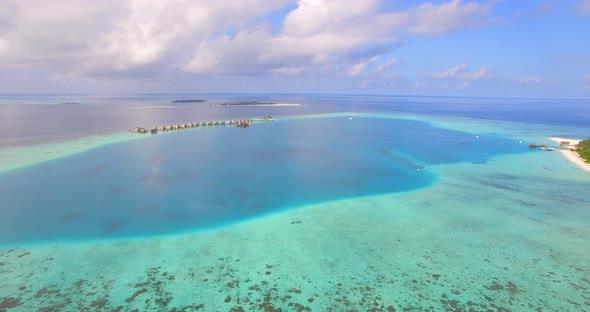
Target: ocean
345,203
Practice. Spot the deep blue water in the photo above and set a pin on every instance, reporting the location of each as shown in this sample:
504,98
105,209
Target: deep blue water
201,178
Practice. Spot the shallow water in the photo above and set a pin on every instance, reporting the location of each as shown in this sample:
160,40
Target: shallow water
203,178
485,224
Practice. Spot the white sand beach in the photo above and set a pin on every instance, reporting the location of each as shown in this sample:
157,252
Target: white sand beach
572,142
576,159
571,155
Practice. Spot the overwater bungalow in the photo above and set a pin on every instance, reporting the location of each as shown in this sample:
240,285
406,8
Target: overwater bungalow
154,131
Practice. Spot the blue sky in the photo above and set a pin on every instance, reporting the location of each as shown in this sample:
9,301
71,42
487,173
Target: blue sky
465,48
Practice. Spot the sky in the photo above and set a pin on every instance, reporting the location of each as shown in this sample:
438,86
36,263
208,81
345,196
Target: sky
504,48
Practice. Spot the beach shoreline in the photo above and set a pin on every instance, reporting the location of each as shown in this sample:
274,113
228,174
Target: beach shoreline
572,142
571,155
576,159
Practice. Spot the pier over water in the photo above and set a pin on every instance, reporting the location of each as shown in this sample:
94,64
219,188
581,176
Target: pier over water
240,123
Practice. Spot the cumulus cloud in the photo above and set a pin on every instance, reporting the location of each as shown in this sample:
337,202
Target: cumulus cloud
112,38
329,32
584,7
430,18
116,36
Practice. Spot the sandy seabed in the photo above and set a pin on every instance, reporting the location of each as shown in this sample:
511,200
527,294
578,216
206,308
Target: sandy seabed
509,235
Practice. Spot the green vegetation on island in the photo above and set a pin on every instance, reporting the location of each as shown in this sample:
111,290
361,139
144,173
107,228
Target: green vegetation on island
583,150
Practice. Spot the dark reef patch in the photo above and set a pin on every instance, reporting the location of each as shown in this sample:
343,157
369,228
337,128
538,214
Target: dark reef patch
135,294
9,303
48,292
26,253
113,227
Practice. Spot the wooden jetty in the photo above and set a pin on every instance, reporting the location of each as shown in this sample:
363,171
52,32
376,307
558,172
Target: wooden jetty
240,123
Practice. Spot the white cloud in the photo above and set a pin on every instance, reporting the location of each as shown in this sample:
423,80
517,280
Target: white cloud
452,72
585,78
430,18
387,65
203,63
482,73
461,72
83,38
327,32
584,7
320,16
356,69
117,36
532,80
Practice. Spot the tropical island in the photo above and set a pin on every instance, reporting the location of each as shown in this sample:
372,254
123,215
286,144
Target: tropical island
583,149
255,103
188,101
575,151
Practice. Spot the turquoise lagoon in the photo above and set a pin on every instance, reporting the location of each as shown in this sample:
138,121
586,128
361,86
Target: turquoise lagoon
382,212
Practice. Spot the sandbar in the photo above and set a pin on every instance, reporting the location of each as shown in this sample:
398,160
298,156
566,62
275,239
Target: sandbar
273,104
152,106
23,156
